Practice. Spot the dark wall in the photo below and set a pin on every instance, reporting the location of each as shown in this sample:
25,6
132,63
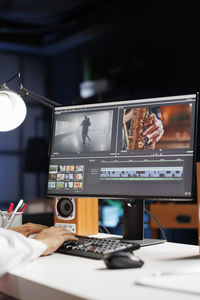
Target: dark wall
144,49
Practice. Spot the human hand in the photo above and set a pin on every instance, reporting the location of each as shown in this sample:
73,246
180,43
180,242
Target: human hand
54,237
154,129
29,228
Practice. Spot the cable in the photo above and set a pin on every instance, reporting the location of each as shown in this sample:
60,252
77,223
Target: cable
100,230
106,230
149,213
161,229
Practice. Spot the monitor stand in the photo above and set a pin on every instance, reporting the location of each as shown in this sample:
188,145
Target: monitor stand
133,223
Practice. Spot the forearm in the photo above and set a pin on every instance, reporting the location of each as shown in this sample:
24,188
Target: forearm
15,249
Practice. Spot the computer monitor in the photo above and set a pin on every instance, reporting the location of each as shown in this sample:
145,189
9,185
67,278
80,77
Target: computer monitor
132,149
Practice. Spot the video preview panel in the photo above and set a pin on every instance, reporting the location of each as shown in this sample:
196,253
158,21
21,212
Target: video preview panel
83,132
156,127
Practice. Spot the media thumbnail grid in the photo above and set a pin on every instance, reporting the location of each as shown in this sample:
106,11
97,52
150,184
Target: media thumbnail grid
140,173
66,177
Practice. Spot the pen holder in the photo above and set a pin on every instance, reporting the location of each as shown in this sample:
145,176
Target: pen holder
5,217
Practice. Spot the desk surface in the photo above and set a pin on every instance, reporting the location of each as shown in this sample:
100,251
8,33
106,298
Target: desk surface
64,277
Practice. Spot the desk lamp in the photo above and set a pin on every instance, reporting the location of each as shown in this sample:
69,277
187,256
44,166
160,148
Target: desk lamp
12,106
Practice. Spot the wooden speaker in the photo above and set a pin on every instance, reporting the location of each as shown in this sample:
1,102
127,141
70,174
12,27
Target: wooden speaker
78,215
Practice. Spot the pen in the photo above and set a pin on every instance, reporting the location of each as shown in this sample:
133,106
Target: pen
10,209
22,208
14,213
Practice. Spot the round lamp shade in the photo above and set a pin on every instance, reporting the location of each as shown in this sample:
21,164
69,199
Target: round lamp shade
12,110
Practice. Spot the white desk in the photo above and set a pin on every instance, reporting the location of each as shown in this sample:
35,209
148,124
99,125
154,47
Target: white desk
63,277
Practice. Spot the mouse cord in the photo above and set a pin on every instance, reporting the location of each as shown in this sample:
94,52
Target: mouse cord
161,229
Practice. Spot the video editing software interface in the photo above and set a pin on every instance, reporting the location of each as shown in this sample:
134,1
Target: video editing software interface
142,148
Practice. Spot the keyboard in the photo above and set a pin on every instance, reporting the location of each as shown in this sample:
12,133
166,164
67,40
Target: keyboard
95,248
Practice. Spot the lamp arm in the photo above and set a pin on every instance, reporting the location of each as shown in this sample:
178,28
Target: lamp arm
23,91
10,79
39,98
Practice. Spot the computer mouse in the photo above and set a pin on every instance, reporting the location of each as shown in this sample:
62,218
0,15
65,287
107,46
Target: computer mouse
122,260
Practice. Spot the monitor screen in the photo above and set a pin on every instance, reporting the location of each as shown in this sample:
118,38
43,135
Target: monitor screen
136,148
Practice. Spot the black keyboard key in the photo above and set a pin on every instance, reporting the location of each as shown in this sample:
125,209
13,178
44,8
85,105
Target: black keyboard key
95,248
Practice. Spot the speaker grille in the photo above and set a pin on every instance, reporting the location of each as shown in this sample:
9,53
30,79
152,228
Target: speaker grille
65,207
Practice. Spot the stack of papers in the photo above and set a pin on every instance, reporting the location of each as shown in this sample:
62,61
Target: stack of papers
184,281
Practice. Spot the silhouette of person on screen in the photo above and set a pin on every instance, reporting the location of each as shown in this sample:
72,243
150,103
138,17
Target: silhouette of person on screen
85,125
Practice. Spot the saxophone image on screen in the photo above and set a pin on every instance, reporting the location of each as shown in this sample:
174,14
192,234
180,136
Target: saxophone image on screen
134,137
